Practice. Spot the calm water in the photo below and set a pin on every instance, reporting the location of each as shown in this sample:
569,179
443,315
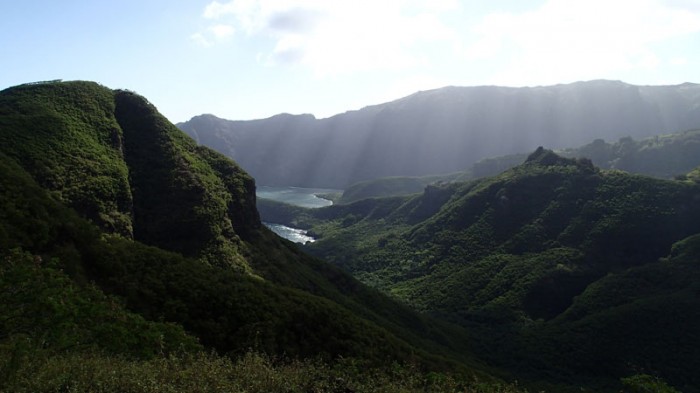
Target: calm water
304,197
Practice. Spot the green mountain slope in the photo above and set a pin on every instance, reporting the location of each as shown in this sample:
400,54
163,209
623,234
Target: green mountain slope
70,141
536,262
40,301
661,156
99,181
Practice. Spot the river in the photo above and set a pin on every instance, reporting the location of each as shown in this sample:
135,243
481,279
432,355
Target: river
298,196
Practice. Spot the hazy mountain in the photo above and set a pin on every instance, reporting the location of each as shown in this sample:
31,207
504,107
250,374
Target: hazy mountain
561,271
111,217
444,130
662,156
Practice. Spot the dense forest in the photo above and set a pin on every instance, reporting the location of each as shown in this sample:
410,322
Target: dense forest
561,271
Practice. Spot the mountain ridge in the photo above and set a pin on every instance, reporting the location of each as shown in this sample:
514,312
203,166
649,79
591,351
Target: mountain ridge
124,200
444,130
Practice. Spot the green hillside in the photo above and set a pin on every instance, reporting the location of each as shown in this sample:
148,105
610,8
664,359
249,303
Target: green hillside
661,156
118,219
552,265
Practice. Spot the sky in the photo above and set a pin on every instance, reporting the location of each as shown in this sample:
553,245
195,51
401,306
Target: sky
251,59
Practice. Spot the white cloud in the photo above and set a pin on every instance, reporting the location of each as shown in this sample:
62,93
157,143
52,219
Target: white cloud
568,39
222,32
338,37
215,10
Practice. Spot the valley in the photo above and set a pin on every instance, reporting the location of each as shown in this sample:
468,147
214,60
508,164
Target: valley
303,196
295,196
127,245
553,253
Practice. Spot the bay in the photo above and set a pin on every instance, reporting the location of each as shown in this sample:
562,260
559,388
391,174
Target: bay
297,196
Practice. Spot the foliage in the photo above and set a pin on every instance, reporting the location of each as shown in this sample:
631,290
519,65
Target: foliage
44,308
252,372
387,186
67,136
186,199
662,156
196,254
234,312
283,213
644,383
552,265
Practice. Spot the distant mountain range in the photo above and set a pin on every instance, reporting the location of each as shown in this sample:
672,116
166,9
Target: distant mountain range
444,130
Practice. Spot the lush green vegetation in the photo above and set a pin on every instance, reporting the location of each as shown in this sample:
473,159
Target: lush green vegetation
662,156
128,250
251,372
535,263
67,137
391,186
133,260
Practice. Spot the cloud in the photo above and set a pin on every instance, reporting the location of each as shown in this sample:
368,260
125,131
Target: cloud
339,37
296,20
215,10
222,32
565,39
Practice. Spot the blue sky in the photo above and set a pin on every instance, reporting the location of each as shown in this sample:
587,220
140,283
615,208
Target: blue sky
246,59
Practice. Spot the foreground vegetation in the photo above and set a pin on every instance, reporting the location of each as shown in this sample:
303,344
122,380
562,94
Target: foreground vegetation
202,372
57,335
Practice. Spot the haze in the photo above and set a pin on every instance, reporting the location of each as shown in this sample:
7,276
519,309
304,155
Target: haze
246,59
